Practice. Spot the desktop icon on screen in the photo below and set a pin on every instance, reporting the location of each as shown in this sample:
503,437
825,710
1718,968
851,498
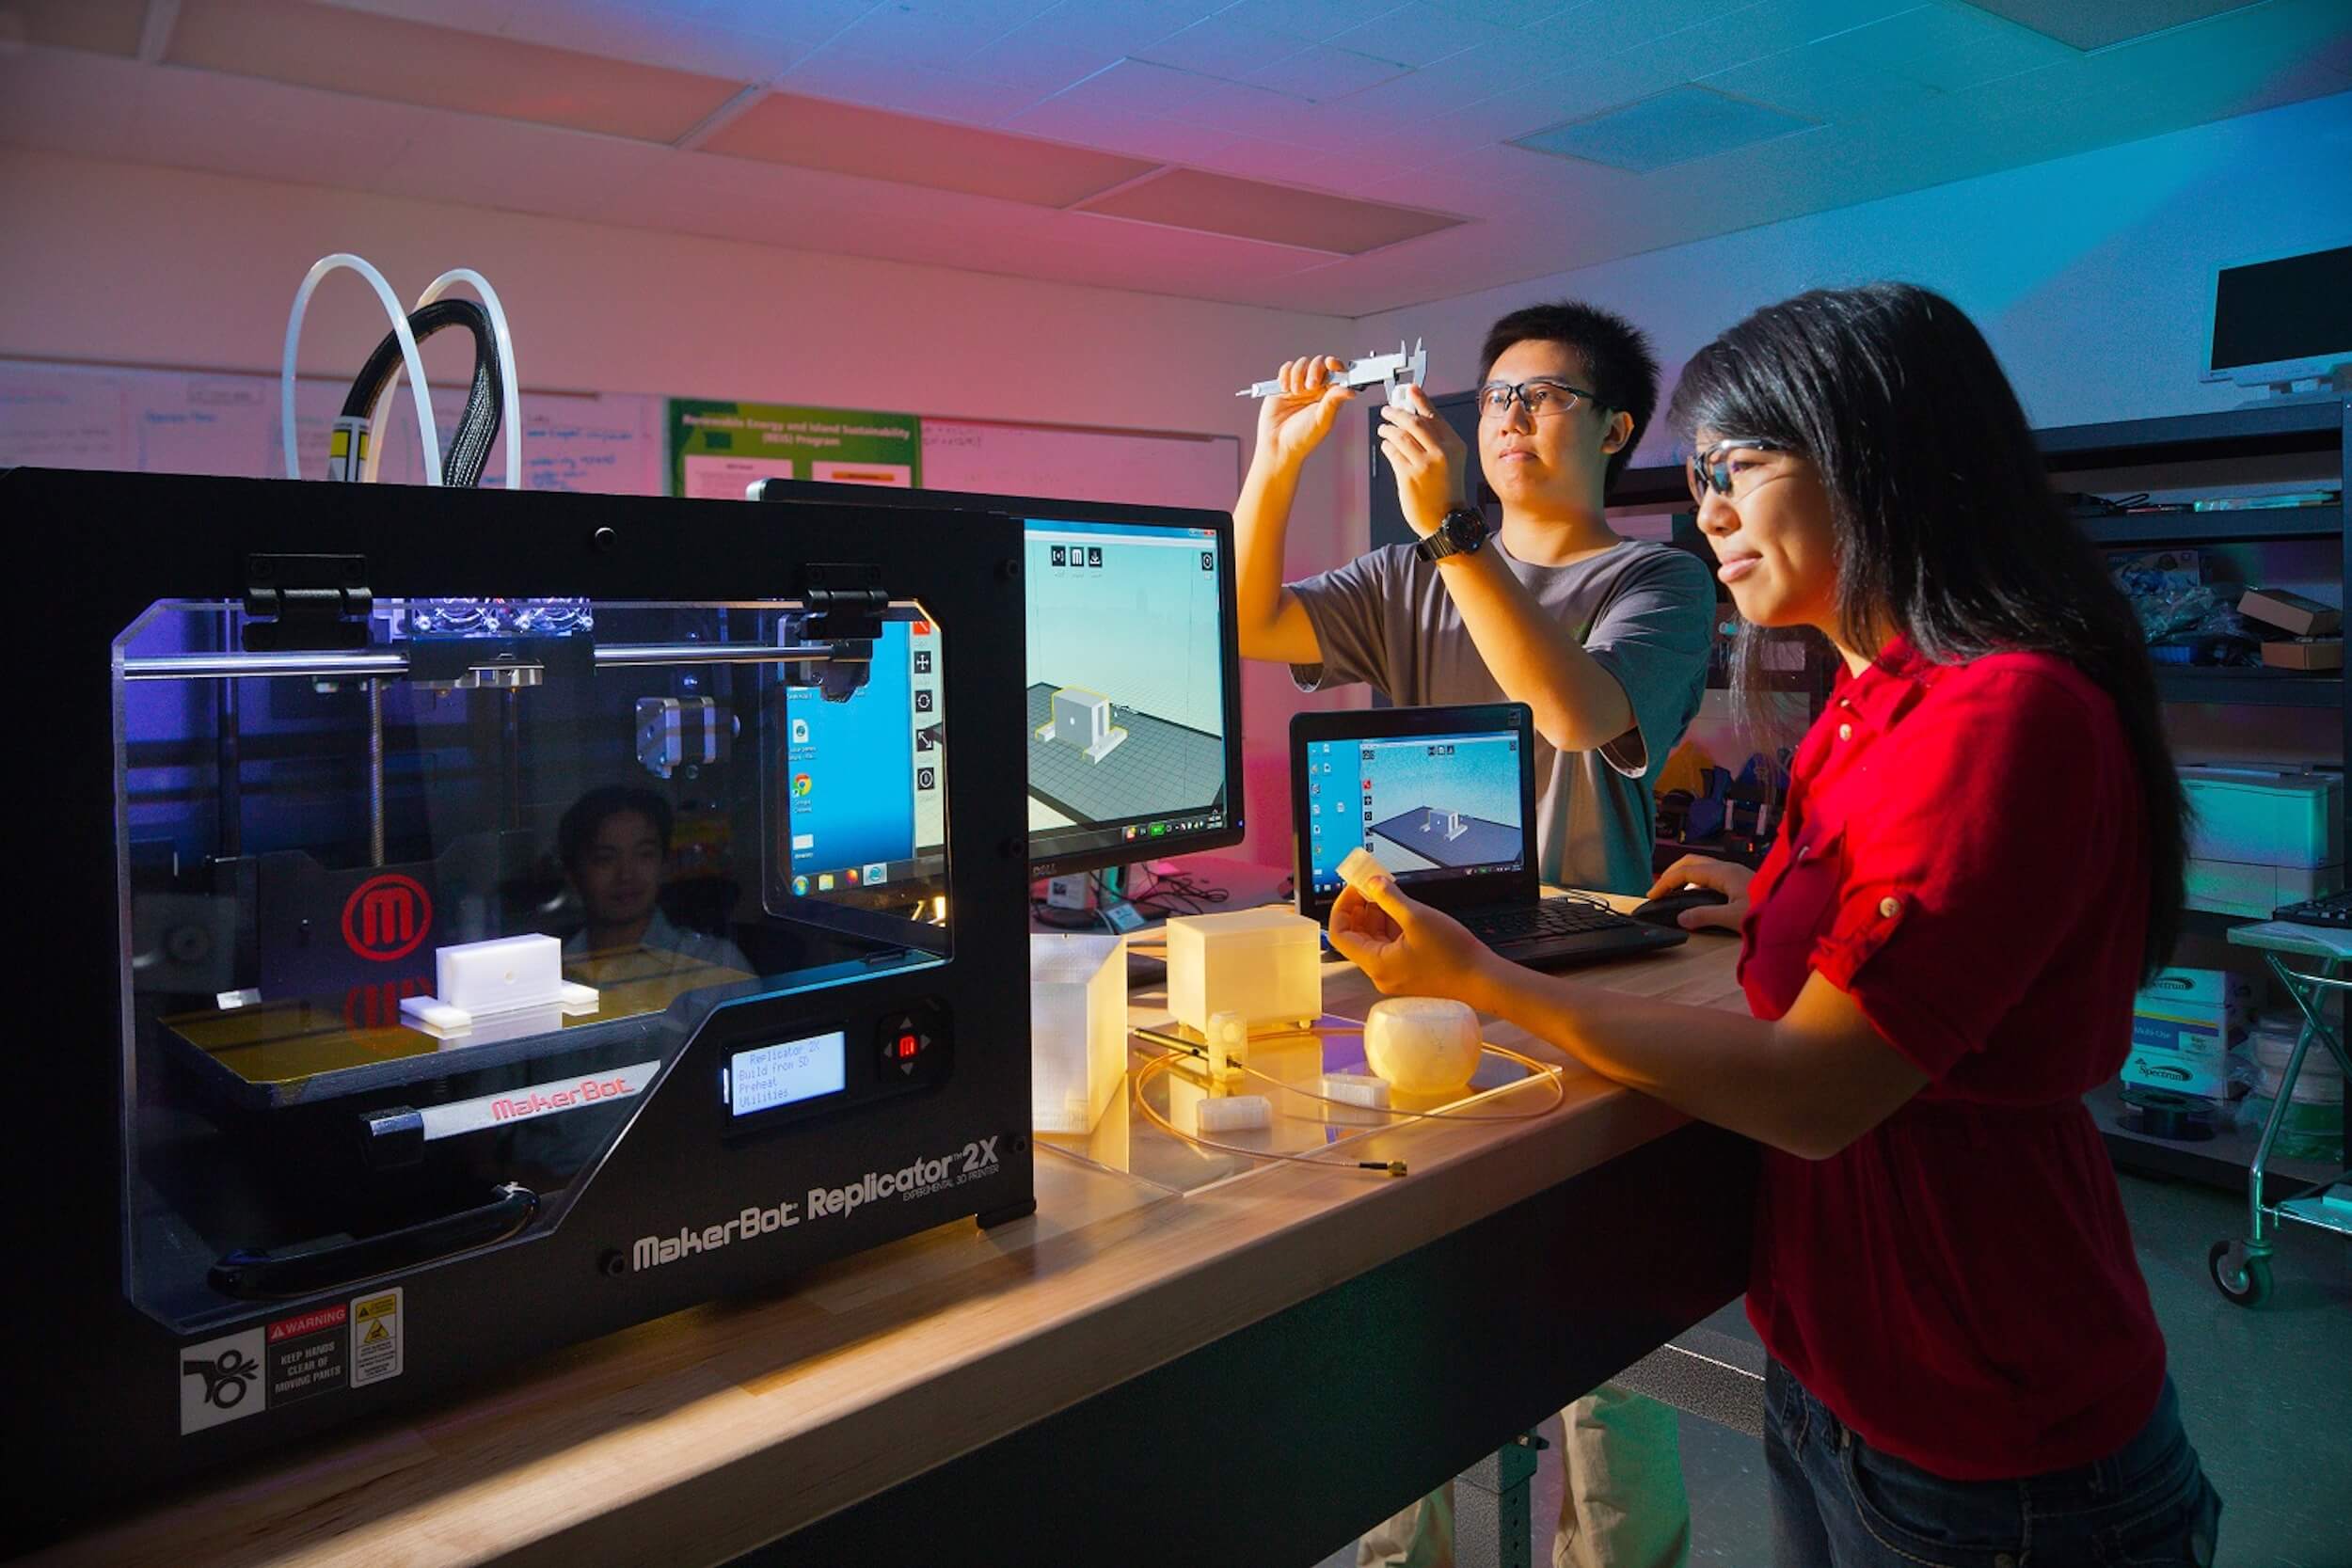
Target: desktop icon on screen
877,874
824,881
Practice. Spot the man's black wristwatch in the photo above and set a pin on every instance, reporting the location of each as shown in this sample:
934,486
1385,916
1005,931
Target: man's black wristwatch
1462,532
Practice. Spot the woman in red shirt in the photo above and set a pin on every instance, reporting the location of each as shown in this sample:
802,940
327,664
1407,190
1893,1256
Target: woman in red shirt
1981,857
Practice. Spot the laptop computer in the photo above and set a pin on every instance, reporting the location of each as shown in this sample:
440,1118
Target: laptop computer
1444,798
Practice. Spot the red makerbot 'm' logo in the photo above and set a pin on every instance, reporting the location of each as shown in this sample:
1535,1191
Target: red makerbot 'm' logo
387,917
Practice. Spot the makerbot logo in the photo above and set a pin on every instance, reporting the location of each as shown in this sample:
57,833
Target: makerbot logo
387,917
918,1180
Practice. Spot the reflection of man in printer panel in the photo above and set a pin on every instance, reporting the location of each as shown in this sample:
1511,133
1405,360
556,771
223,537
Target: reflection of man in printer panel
613,842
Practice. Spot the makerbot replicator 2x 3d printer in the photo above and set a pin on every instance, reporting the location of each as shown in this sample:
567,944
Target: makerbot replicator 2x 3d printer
419,981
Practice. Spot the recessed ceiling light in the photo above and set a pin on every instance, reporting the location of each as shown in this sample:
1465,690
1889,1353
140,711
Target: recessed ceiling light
1677,126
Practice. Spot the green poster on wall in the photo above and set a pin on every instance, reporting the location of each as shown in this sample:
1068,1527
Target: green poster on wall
716,448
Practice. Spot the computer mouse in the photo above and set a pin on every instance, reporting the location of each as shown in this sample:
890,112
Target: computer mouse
1666,910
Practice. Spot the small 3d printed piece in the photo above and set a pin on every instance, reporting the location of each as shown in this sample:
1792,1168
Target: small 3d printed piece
1227,1035
474,981
1234,1113
1422,1045
1359,866
1360,1098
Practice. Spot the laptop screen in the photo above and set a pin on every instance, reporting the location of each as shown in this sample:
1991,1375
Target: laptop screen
1432,808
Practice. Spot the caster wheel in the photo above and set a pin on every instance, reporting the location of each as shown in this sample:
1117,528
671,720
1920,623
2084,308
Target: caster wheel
2238,1275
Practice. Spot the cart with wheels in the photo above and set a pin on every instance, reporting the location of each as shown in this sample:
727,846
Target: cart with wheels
2241,1268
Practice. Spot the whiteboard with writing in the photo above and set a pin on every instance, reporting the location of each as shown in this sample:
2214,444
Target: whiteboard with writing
1082,465
201,422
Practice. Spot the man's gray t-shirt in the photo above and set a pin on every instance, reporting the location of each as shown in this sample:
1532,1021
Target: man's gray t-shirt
1644,611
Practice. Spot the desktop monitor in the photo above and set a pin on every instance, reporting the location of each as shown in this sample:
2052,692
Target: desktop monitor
1133,668
2282,319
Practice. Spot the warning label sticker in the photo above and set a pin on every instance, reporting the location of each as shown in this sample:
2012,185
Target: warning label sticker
220,1380
309,1353
375,1338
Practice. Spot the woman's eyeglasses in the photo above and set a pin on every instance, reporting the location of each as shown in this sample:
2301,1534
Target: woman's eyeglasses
1541,399
1709,468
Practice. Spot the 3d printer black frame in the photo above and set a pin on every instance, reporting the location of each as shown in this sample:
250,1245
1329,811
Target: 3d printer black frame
93,1400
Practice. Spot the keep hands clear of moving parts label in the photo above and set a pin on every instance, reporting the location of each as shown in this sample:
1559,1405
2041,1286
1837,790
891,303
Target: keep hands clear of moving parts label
320,1350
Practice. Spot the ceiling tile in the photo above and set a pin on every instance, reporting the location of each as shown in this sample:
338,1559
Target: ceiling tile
1123,26
98,26
846,77
1772,26
621,31
407,62
1037,57
1316,20
1504,13
1251,111
1220,204
1146,138
936,33
1135,87
1218,47
79,104
1319,73
1451,84
2110,22
488,16
2006,53
1421,34
1892,41
1818,84
810,132
1605,26
1259,158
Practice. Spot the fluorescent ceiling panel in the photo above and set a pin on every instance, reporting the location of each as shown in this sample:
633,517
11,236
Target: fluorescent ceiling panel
844,138
101,26
1251,210
1677,126
370,55
2109,22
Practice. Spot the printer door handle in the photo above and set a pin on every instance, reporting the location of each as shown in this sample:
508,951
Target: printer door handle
297,1270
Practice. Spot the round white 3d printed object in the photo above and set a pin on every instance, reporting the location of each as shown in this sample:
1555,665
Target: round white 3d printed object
1422,1045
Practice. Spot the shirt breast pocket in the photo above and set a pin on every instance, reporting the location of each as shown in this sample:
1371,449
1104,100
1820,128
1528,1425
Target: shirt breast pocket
1797,910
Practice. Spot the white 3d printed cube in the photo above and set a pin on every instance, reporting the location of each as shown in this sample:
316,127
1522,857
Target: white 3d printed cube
1263,964
1077,1029
1083,719
489,979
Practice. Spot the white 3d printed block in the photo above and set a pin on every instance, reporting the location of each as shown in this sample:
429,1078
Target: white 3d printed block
1234,1113
490,979
1264,964
1077,1029
1359,866
1422,1045
1083,719
1354,1098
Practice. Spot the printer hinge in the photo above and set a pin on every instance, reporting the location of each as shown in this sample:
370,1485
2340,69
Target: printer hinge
306,603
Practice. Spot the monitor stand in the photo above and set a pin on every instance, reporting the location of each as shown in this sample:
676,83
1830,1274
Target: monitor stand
2303,389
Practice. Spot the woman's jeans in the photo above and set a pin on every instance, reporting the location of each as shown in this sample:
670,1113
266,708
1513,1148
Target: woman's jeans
1839,1504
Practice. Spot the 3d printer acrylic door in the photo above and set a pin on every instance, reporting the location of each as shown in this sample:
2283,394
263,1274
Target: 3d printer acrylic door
418,925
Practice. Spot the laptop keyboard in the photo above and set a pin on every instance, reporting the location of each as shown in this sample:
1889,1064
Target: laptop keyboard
1551,918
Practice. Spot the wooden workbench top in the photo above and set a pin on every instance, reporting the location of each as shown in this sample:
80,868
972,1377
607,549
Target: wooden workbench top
699,1436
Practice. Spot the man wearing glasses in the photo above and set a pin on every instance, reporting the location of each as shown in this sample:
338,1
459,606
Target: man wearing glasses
1605,639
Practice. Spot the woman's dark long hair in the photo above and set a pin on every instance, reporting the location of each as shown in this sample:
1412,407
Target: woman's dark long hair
1947,527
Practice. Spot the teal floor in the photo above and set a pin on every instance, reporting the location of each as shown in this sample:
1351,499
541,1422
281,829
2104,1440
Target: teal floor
2266,1395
